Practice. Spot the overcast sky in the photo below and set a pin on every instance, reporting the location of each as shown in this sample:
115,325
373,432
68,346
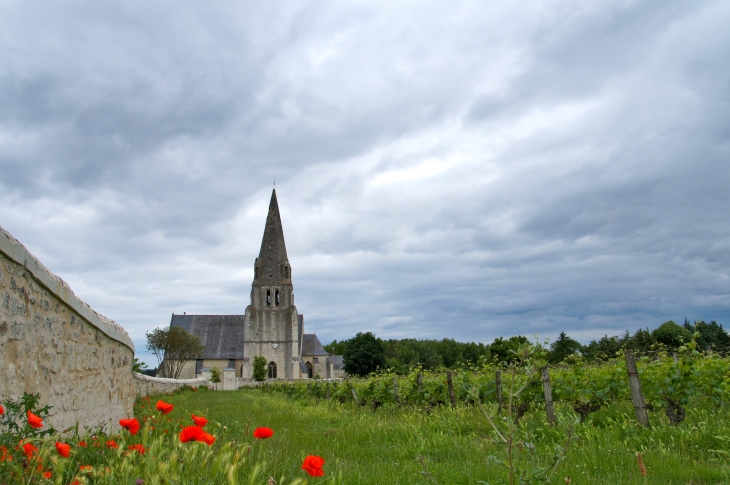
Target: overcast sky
444,169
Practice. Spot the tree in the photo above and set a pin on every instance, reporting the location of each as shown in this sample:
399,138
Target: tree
503,350
428,357
336,348
563,347
364,354
259,368
641,341
671,334
606,348
712,335
138,366
173,347
451,352
215,376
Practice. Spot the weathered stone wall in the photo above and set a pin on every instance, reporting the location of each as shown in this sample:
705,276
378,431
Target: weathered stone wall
188,370
146,385
54,344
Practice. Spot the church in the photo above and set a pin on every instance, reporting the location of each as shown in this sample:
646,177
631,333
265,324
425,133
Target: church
271,326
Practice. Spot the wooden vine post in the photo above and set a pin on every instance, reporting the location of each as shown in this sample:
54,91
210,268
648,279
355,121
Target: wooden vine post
450,382
327,396
499,390
352,389
548,391
395,390
642,416
420,383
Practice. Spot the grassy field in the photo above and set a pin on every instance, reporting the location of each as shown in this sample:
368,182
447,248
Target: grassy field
382,447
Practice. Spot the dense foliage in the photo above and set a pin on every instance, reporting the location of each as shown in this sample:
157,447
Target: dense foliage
401,356
364,354
669,379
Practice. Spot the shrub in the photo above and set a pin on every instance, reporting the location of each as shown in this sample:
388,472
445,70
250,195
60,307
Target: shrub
259,368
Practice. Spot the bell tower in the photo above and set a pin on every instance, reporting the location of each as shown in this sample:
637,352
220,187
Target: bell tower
272,324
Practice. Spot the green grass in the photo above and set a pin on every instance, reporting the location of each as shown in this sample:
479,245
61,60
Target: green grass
382,447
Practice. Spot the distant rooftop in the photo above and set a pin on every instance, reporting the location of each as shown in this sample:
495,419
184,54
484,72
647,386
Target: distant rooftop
222,335
312,345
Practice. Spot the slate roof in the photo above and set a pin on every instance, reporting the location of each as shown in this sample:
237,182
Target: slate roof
222,335
272,256
312,345
336,360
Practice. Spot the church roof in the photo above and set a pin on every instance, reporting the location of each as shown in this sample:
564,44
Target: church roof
272,256
336,361
312,345
222,335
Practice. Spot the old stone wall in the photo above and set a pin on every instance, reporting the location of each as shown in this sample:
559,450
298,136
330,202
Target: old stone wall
146,385
54,344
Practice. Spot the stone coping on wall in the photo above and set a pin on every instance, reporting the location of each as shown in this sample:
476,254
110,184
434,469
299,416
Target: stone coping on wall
14,250
165,380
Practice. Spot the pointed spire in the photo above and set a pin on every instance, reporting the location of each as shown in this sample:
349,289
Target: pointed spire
272,263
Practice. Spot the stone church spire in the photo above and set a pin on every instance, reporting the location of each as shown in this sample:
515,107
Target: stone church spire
272,329
272,265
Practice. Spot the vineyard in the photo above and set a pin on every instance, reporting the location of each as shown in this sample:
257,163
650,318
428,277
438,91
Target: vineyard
667,381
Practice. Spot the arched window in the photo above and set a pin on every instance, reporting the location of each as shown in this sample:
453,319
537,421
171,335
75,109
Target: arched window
268,297
272,370
276,298
310,374
255,272
286,272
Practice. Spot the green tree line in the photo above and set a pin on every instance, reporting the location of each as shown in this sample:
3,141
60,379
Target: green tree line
366,353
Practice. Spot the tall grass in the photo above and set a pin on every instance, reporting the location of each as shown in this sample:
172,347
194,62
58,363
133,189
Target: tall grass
382,446
390,445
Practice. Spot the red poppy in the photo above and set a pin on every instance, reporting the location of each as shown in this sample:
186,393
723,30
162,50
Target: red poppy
88,469
29,449
131,424
2,410
34,421
196,433
164,407
208,439
4,456
76,482
313,466
191,433
47,475
112,444
199,421
82,444
263,433
63,449
139,448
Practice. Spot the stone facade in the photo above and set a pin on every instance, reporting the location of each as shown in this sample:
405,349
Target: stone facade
54,344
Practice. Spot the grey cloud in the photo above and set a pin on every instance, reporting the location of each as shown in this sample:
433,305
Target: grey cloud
584,150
